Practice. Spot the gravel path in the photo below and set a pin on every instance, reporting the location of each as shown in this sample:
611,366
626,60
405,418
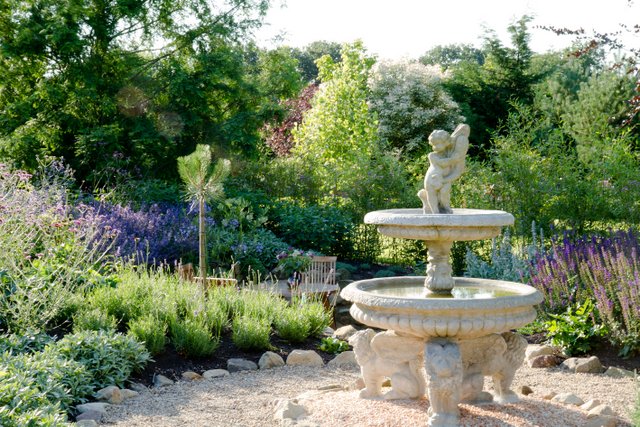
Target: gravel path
248,399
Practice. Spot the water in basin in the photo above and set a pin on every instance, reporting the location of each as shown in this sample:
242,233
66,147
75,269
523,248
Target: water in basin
415,290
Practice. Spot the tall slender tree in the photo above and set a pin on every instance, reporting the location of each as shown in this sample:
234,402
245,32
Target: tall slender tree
203,183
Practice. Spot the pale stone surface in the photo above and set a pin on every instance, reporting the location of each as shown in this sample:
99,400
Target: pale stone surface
590,365
346,358
289,409
90,415
305,358
443,363
601,410
385,355
110,394
214,373
544,361
535,350
602,421
100,407
548,395
161,381
328,331
270,360
86,423
140,388
236,365
614,372
568,399
344,332
590,404
191,376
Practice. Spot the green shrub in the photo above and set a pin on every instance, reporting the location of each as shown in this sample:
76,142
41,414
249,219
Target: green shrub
292,325
110,357
249,333
576,329
384,273
316,315
333,345
29,342
343,265
94,320
151,331
193,338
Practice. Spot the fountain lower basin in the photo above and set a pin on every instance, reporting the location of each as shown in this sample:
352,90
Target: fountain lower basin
476,307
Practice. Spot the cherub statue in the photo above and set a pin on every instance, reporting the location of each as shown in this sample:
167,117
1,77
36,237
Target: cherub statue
446,164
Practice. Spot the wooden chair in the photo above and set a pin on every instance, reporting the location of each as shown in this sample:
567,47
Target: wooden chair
319,280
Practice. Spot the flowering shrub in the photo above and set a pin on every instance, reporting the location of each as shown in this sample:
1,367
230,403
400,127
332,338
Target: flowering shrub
605,269
292,260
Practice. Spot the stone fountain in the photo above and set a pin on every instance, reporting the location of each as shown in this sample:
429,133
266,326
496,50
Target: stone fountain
442,334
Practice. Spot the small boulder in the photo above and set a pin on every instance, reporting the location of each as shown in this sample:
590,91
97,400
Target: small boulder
110,394
100,407
237,365
346,358
86,423
602,421
214,373
191,376
544,361
161,381
601,410
590,404
535,350
140,388
289,409
328,331
344,333
128,394
304,358
614,372
90,416
270,360
590,365
548,395
568,399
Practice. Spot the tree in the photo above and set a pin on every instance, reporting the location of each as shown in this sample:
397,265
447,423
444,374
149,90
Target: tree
80,81
203,183
451,55
308,56
410,101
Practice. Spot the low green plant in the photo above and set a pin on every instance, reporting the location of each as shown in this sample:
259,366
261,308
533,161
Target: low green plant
29,342
316,315
193,337
94,320
109,356
151,331
384,273
635,415
333,345
292,325
250,333
575,330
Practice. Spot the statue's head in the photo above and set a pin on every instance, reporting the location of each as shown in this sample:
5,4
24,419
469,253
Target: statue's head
439,140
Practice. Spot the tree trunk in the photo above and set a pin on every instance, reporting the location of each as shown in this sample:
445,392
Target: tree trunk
202,244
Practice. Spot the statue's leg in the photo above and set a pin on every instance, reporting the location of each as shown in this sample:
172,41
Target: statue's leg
432,199
444,368
445,198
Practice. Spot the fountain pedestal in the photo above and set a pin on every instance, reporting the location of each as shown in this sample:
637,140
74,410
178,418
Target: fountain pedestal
455,329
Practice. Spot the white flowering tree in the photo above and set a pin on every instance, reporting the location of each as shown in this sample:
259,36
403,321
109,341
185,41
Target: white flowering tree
410,102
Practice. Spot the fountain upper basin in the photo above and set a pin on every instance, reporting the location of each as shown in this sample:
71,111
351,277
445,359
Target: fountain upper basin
462,224
477,307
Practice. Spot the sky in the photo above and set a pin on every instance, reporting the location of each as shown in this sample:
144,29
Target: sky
395,29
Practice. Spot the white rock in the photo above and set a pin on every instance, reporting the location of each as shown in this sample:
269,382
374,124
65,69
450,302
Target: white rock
236,365
346,358
100,407
590,365
270,360
614,372
110,394
288,409
191,376
568,399
601,410
214,373
344,332
534,350
161,381
590,404
140,388
86,423
328,331
602,421
304,358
